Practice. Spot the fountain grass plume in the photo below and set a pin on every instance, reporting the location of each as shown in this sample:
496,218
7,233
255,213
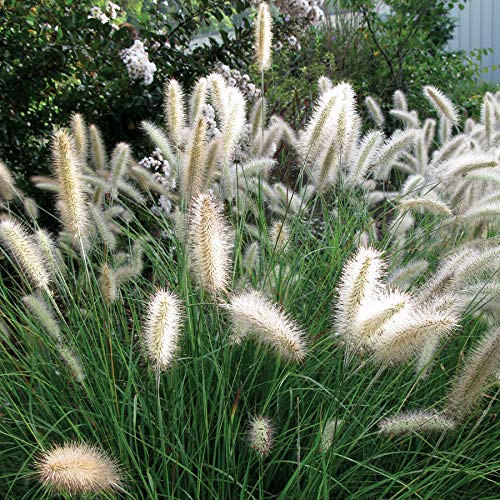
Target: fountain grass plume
263,37
479,367
260,435
252,314
72,199
162,329
192,171
210,243
375,111
360,279
77,468
7,184
173,108
416,421
23,247
441,103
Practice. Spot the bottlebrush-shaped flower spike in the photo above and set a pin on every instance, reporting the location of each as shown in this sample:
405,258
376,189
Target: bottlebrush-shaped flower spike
360,279
260,435
210,243
25,251
162,329
72,202
416,421
263,37
77,469
479,366
253,314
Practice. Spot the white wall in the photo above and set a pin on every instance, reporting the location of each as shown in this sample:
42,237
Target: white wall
478,26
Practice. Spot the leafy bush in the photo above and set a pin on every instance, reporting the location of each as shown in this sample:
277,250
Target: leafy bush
55,60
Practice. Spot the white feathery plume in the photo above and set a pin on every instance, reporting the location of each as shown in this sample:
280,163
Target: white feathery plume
72,201
407,332
191,178
80,136
120,162
173,108
260,435
375,111
7,186
441,103
399,100
429,131
198,98
427,203
376,311
210,243
97,149
72,362
318,130
77,469
22,246
162,329
253,314
263,37
39,308
390,151
479,366
407,118
360,279
416,421
218,94
404,276
324,84
159,138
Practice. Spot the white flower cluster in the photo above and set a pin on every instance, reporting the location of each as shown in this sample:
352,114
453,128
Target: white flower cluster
112,10
137,62
291,42
162,172
209,113
235,79
301,10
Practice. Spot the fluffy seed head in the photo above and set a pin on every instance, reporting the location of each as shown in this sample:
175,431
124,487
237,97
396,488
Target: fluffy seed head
77,469
360,279
407,332
331,428
162,329
7,188
72,199
253,314
441,103
174,111
479,367
80,136
260,435
72,362
375,111
263,37
210,243
416,421
25,251
39,308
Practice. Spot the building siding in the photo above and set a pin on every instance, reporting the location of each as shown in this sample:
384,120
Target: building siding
478,27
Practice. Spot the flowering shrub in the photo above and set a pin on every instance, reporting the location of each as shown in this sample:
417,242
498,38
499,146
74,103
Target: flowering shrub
138,65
